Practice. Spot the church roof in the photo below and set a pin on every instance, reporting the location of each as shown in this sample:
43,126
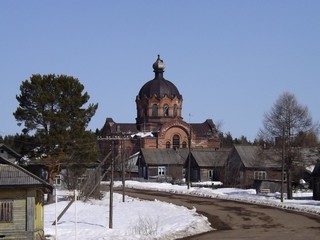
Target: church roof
200,129
159,86
205,128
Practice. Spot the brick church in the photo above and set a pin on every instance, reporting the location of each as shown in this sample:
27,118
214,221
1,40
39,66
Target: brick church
160,135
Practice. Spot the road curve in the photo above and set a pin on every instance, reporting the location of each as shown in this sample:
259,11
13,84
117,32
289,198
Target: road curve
236,220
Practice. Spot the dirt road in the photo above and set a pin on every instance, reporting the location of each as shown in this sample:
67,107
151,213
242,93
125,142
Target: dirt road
234,220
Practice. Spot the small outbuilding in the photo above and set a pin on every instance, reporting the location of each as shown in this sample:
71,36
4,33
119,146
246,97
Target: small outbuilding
21,202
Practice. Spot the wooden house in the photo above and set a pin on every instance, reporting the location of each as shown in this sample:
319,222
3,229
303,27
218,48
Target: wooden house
170,164
21,202
207,164
249,163
316,181
160,164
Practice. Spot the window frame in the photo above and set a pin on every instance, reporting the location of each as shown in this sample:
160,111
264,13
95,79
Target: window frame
175,110
162,171
184,144
260,175
165,110
58,180
154,110
6,210
175,141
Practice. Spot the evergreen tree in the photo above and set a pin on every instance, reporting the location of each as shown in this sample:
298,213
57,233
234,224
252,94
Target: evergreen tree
51,108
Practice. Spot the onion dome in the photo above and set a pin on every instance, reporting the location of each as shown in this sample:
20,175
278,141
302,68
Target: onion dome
159,86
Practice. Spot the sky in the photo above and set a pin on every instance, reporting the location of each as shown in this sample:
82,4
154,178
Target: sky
230,60
163,220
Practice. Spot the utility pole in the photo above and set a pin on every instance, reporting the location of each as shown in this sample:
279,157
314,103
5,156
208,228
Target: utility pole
282,164
189,154
111,187
113,139
123,170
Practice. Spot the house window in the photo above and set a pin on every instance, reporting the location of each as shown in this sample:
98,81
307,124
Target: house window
176,142
6,210
168,145
166,110
57,180
161,171
154,110
260,175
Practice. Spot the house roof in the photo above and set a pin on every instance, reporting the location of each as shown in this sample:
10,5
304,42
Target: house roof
161,156
204,157
12,175
10,151
255,156
211,157
247,154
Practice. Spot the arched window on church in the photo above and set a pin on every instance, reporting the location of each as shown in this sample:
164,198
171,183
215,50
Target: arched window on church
154,110
175,110
184,145
168,144
176,142
166,110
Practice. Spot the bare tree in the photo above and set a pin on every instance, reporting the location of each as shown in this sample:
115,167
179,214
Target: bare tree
286,119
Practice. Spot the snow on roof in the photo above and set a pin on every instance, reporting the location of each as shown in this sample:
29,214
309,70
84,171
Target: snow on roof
142,134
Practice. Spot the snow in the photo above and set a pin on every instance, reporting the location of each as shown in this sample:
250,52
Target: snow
138,219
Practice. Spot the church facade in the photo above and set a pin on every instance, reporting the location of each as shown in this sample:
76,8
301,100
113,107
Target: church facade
159,124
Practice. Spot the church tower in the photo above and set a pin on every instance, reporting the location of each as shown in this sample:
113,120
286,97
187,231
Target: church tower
158,101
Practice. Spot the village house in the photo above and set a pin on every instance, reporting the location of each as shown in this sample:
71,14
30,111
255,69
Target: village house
247,164
160,164
21,202
207,164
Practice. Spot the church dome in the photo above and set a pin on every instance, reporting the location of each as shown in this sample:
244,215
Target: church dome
159,86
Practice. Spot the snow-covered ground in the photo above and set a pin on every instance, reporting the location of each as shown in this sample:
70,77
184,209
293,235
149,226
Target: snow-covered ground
137,219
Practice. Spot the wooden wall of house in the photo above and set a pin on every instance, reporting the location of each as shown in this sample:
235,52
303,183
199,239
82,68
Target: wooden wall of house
248,178
204,175
26,203
175,172
19,210
234,170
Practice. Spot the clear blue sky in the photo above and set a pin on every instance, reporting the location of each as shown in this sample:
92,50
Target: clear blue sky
229,59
